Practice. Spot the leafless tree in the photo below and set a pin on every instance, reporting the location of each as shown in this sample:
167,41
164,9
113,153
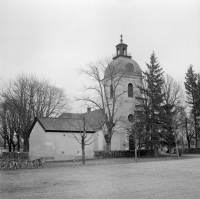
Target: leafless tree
28,97
85,135
173,108
105,93
173,93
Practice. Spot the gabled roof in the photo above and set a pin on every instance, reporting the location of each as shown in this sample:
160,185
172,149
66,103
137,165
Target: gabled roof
94,118
62,125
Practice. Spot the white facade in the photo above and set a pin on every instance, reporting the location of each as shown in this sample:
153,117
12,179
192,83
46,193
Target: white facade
128,72
56,145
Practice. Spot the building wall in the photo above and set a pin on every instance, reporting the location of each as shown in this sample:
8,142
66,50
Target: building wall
99,141
128,107
57,145
37,142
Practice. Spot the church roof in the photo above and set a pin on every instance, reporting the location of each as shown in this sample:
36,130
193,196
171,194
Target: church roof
94,118
63,125
123,66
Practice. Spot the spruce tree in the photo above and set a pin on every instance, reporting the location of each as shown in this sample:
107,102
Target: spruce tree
153,98
191,86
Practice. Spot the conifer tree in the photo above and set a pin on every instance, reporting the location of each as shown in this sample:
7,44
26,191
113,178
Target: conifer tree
153,98
191,86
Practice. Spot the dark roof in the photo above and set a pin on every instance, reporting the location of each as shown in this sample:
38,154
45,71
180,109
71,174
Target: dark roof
94,118
62,125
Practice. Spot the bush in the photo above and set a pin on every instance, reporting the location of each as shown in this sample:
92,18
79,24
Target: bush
120,154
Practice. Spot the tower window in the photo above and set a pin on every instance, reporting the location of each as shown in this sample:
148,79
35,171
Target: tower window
124,51
111,91
130,90
118,51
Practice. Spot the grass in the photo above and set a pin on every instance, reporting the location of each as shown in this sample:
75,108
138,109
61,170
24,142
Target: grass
152,178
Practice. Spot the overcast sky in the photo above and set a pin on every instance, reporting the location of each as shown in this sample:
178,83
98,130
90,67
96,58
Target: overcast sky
52,39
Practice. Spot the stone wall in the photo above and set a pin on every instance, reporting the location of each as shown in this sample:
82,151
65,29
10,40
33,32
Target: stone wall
119,154
15,155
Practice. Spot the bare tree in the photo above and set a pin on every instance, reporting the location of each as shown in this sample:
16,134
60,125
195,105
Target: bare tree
173,100
177,122
28,97
136,135
173,109
85,135
106,93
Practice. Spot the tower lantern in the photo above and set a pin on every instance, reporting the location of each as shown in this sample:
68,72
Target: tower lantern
121,49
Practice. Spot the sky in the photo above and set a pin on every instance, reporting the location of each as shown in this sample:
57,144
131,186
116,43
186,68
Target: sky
53,39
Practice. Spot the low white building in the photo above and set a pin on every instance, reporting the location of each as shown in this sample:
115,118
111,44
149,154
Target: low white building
53,138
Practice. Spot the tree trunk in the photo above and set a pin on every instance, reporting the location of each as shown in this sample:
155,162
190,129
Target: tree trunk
18,143
108,146
83,154
26,145
4,143
155,151
177,152
108,142
188,144
10,146
13,147
196,134
135,138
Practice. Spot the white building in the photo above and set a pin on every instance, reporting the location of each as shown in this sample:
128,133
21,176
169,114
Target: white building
52,137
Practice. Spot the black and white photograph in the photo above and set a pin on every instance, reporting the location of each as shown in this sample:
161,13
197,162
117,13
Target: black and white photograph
99,99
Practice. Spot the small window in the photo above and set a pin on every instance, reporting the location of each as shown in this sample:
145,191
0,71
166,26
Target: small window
130,90
131,118
111,91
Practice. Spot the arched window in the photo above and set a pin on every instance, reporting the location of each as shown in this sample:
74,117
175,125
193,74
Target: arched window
111,91
130,90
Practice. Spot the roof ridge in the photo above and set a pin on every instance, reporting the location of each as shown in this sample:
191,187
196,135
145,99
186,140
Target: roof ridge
63,118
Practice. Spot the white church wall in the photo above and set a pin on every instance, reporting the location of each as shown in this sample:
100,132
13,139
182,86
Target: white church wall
126,108
99,141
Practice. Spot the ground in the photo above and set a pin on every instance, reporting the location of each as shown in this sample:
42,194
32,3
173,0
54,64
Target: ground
112,178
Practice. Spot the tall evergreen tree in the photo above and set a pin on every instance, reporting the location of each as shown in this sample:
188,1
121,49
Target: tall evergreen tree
191,86
153,99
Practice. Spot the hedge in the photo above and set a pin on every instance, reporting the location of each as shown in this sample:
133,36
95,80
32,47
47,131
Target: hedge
120,154
191,150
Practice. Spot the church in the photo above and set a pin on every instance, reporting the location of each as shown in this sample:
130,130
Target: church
53,138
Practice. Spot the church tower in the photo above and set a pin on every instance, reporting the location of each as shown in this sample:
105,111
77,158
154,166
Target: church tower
130,106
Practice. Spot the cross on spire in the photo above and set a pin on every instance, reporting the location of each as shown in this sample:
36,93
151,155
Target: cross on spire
121,38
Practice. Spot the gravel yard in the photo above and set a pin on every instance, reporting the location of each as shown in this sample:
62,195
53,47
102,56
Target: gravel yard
116,178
